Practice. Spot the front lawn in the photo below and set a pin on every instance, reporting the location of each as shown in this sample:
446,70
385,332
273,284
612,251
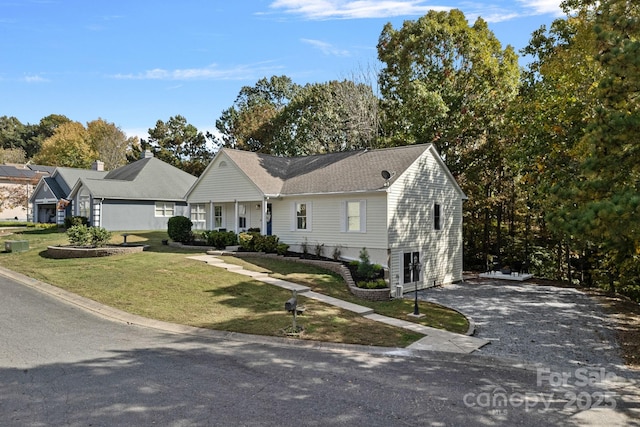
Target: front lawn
163,284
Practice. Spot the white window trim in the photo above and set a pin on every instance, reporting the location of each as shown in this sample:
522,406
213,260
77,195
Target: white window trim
344,219
294,215
164,209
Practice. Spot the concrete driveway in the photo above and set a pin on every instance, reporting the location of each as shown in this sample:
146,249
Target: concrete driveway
547,325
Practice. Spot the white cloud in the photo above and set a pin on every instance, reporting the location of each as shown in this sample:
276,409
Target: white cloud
326,48
357,9
212,72
35,79
543,7
341,9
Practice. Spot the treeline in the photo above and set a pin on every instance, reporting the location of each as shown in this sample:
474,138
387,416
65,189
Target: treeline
58,141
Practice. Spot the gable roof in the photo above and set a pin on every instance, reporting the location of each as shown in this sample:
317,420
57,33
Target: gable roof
145,179
54,187
67,177
342,172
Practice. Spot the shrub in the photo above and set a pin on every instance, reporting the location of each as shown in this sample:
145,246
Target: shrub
319,250
78,235
179,229
81,235
282,249
99,236
336,253
246,241
220,239
373,284
70,221
268,244
365,268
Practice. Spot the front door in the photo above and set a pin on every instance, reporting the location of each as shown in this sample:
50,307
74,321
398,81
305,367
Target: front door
268,219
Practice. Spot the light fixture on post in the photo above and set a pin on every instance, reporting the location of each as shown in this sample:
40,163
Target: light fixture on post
415,267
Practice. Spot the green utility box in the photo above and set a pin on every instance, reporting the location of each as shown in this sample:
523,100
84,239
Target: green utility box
16,245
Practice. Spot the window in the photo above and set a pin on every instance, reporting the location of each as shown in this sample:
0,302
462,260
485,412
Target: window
301,216
242,216
354,216
411,267
84,202
165,208
198,216
436,217
217,217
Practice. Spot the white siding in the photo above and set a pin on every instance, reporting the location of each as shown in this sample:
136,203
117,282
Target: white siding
224,184
411,228
327,225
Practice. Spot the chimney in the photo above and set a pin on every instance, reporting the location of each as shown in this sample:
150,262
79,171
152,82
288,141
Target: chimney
146,154
98,166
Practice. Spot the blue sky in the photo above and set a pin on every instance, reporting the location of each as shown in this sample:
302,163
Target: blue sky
133,62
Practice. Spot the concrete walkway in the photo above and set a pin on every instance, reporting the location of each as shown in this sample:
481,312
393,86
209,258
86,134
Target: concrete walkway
435,339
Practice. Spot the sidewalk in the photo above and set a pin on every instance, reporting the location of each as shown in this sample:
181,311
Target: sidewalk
435,339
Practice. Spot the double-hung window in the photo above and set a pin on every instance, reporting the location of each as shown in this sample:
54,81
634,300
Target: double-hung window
217,216
354,216
301,216
198,216
242,216
165,209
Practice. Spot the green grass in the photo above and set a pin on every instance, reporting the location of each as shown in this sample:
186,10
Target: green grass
332,284
163,284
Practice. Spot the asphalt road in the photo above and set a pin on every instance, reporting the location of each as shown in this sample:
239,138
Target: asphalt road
61,365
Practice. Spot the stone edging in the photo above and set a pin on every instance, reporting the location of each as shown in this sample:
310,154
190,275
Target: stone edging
63,252
383,294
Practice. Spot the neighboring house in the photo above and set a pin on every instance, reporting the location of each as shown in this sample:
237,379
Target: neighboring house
52,190
17,183
142,195
401,204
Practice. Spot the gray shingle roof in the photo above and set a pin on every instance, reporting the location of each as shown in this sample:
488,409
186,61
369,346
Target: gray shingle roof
350,171
146,179
67,177
55,187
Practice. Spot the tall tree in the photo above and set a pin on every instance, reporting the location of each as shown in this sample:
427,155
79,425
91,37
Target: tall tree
37,133
69,146
607,197
12,133
444,82
110,143
555,104
249,123
328,117
180,144
450,84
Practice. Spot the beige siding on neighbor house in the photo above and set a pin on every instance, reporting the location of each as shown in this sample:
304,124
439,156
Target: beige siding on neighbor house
328,228
411,224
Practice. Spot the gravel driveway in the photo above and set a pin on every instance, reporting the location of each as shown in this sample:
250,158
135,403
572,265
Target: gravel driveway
547,325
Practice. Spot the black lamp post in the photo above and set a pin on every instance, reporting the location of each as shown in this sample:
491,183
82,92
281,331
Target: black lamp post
415,271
